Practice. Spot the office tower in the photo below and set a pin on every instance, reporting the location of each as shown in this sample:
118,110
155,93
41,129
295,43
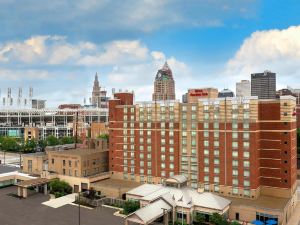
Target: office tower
225,93
243,88
164,85
99,98
263,85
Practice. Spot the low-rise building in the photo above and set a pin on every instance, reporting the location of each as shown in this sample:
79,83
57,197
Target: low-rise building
174,201
34,163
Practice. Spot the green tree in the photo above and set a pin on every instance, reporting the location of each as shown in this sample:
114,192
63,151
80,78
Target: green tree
30,145
131,206
104,136
42,144
217,219
59,188
198,218
66,140
234,223
9,144
52,140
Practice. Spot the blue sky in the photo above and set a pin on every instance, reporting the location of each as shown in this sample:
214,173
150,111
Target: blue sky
56,47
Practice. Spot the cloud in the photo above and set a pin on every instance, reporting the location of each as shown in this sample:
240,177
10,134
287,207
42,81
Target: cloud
56,50
275,50
118,18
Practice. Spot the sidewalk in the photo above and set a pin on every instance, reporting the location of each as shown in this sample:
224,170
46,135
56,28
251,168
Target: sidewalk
59,202
295,219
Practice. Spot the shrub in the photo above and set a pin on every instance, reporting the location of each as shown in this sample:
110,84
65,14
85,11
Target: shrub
131,206
60,188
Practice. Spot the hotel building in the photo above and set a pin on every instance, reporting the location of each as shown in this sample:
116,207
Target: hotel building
237,147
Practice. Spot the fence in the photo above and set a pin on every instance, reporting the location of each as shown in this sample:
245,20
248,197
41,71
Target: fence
103,201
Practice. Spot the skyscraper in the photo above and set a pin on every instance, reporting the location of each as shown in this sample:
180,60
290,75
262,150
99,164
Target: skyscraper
263,85
99,98
164,85
243,88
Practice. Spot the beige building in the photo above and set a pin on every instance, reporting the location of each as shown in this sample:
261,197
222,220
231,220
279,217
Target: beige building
31,133
98,129
34,163
194,95
164,85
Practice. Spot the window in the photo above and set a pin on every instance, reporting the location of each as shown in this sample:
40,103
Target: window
216,153
235,163
30,166
206,152
216,143
206,178
64,162
246,135
235,172
184,108
216,125
194,116
125,110
234,135
70,163
206,125
246,125
206,143
52,160
206,134
235,182
206,160
163,157
234,125
206,116
216,161
163,149
234,144
235,191
125,117
216,170
246,183
246,144
216,188
216,179
171,149
171,158
246,155
246,163
216,134
206,169
184,133
194,108
246,173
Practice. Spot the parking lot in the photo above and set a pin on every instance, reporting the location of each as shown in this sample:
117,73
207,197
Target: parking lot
30,211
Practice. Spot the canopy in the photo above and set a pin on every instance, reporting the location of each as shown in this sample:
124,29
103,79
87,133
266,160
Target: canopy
271,222
257,222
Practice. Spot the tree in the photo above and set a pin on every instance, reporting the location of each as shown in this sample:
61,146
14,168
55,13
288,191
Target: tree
217,219
66,140
9,144
131,206
59,188
30,145
52,140
235,223
42,144
198,218
103,136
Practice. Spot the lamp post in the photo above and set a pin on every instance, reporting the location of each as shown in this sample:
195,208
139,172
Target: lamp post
181,200
79,207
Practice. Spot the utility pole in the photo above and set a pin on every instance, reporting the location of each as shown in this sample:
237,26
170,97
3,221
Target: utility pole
79,208
76,124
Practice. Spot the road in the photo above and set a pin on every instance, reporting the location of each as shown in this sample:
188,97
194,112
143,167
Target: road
10,158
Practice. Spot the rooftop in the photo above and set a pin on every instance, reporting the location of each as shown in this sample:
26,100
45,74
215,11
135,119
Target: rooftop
77,152
263,202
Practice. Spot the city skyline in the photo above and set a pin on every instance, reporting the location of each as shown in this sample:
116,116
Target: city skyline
215,44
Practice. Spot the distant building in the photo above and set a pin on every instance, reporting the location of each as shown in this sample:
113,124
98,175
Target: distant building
38,104
243,88
69,106
164,84
225,93
99,98
194,95
263,85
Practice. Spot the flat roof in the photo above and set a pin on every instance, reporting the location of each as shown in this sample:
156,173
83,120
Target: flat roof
7,169
263,202
115,184
78,151
33,182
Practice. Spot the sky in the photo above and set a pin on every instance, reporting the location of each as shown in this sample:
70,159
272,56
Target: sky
57,46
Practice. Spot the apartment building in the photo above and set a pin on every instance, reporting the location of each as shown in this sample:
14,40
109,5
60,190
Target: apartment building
237,147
